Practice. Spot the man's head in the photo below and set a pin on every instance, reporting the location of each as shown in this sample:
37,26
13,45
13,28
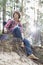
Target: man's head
16,15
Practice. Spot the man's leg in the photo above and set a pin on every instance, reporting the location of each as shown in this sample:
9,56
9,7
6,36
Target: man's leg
17,33
29,50
27,46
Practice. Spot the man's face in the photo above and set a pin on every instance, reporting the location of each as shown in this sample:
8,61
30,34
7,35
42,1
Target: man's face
16,17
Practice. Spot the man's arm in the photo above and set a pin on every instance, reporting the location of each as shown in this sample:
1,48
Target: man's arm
7,26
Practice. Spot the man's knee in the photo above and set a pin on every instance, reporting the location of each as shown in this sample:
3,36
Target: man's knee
17,32
26,42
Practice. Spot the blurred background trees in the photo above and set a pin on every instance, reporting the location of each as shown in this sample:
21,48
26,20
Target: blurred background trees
31,13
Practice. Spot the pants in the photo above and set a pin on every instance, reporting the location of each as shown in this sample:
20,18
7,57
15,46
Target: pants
17,33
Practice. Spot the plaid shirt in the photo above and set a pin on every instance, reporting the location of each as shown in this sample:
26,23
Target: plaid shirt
12,24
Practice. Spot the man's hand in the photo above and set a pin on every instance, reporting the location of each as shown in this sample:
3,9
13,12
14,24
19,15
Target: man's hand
5,30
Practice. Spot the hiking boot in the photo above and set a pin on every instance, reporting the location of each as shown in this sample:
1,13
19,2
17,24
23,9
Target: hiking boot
32,56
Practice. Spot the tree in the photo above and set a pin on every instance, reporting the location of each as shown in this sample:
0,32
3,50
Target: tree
4,10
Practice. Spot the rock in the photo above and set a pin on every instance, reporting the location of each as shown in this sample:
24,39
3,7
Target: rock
11,53
14,59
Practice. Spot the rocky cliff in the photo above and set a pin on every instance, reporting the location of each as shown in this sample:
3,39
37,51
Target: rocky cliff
12,54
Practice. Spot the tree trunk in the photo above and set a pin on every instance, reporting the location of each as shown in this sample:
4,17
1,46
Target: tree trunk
4,12
22,7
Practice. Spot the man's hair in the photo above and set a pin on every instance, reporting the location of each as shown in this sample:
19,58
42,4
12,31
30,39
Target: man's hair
16,13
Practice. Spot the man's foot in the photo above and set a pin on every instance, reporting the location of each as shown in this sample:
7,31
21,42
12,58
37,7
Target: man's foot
32,56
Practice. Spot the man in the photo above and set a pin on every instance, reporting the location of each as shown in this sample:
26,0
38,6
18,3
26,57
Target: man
15,27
